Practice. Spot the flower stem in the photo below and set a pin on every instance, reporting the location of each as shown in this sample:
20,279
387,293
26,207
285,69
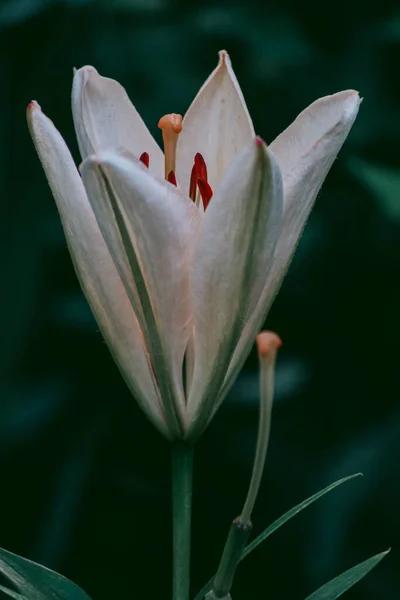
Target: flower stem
231,556
182,475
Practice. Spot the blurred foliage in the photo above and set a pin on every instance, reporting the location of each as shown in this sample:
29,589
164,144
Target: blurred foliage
85,479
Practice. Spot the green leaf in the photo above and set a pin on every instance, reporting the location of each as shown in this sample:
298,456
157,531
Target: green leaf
278,523
337,586
31,581
293,512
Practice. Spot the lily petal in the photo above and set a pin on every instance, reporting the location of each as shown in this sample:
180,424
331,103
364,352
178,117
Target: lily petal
104,117
305,152
95,269
150,230
232,259
217,124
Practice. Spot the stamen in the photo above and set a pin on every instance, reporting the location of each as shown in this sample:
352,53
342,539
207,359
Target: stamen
145,159
171,177
193,184
205,191
201,166
199,186
171,126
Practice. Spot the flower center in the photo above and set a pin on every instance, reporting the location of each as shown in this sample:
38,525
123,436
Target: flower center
199,188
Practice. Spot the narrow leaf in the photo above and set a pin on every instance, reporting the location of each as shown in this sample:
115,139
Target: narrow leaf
278,523
337,586
35,582
293,512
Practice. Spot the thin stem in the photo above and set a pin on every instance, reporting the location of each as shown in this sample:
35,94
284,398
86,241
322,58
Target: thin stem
267,371
182,475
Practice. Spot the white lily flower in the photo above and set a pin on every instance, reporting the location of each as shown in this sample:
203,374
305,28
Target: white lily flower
180,273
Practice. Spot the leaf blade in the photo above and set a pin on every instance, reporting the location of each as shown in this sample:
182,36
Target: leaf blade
35,582
340,584
278,523
293,512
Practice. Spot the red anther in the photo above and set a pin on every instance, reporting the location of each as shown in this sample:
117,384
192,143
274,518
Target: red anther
205,191
171,178
145,159
201,166
259,141
193,184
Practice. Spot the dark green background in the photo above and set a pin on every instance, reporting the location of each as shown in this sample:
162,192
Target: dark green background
84,477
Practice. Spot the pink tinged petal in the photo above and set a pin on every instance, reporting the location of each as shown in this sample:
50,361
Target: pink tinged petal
305,152
150,229
232,259
217,124
95,269
104,117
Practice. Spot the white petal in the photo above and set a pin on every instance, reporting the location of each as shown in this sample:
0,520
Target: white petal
104,117
94,266
232,260
217,124
150,229
305,152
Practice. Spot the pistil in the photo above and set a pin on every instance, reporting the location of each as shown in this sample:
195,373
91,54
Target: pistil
171,126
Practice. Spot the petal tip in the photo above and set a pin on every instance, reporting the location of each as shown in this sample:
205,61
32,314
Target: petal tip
85,72
32,109
352,103
265,155
259,141
90,162
224,60
33,105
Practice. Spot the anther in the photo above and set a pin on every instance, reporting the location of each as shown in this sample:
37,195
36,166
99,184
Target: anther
201,166
193,184
145,159
171,126
171,177
205,191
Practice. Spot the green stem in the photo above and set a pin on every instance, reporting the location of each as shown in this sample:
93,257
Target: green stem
231,556
182,472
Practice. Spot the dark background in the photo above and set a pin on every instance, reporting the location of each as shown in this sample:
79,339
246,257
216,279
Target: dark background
84,477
